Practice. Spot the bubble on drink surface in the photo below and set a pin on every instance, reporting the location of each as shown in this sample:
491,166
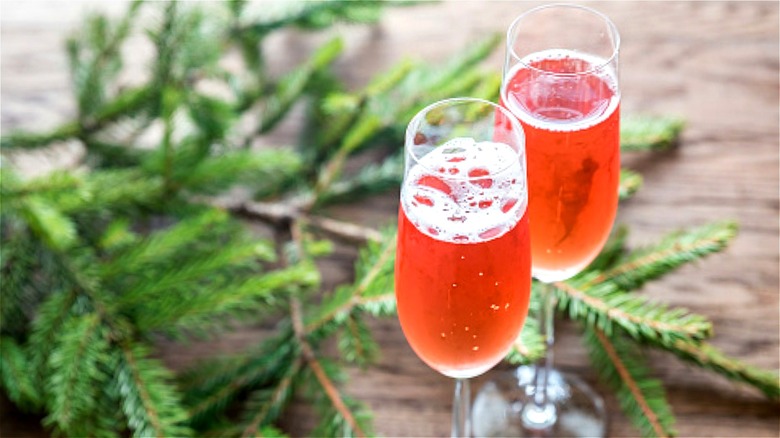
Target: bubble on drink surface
480,197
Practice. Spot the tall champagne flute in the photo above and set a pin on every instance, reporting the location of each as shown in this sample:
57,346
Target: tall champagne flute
463,266
561,80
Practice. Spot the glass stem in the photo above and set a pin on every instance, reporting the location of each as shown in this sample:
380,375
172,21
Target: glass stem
541,414
461,409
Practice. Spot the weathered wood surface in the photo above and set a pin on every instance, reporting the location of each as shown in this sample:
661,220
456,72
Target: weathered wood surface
714,63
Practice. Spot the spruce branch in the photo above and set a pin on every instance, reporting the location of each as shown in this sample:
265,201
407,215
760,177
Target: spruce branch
622,365
605,304
707,356
149,400
671,252
96,263
291,86
356,344
630,183
645,133
266,406
341,110
56,230
374,286
321,376
75,373
158,247
211,386
223,304
91,76
371,179
51,316
613,252
127,103
313,15
600,296
530,345
15,377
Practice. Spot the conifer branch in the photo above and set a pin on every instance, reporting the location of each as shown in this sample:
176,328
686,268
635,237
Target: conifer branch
348,231
51,316
671,252
74,372
356,298
630,183
15,376
317,15
604,304
211,386
530,345
102,260
296,317
707,356
645,133
316,368
276,398
150,403
641,398
292,85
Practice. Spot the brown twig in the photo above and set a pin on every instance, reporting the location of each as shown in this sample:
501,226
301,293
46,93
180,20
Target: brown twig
630,383
345,230
319,372
296,315
280,212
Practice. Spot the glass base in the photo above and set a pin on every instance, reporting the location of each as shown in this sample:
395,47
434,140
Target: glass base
504,407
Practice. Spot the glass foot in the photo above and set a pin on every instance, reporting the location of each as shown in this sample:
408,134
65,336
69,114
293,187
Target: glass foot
504,407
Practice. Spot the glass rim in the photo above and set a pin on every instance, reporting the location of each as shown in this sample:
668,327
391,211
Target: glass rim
409,141
595,68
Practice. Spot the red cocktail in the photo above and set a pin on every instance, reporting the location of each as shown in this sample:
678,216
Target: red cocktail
463,264
572,128
561,81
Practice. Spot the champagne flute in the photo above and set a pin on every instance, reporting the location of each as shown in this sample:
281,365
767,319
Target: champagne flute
561,80
463,267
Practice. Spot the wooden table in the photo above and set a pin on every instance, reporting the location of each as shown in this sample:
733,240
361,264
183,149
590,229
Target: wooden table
713,63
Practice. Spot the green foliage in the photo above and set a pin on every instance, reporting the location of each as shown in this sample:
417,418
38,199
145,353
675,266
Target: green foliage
99,263
710,358
17,381
149,400
623,365
75,373
649,133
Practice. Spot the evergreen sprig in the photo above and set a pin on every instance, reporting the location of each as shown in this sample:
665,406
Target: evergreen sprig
98,263
649,133
148,398
622,364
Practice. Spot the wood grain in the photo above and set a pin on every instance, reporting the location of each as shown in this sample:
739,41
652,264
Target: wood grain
713,63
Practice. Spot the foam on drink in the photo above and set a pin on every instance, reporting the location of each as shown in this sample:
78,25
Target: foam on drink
466,191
